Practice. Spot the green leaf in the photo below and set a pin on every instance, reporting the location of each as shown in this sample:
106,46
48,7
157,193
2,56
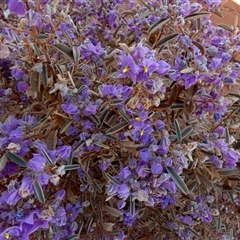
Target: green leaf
178,180
36,49
178,130
116,128
79,75
124,115
71,167
76,54
226,27
65,126
228,171
89,224
70,158
42,36
178,106
132,206
46,156
227,137
166,39
101,145
64,49
73,237
44,75
39,192
197,15
3,162
219,223
186,131
157,25
79,145
111,179
16,159
113,211
68,38
234,95
231,234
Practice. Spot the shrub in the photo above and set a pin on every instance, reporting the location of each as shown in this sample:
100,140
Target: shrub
119,120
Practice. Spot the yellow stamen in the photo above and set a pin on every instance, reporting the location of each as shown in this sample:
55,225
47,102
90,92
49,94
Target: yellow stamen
6,235
207,113
145,69
141,132
126,69
138,119
200,80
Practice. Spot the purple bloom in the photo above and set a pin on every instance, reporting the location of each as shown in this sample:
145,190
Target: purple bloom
141,132
69,108
32,17
163,68
64,152
127,68
231,158
22,86
90,109
156,168
15,135
26,187
124,173
123,191
129,219
139,52
146,68
37,163
17,73
17,7
189,80
216,63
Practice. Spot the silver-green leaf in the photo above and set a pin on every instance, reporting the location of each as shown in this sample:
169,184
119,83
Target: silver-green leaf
39,192
16,159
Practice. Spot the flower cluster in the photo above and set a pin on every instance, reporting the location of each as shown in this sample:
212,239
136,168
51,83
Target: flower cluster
116,117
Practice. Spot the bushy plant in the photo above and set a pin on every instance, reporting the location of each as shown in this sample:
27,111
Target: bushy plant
119,120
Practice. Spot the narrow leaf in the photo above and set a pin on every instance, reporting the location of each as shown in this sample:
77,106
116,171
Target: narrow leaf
186,131
89,224
42,36
231,234
65,126
166,39
70,158
44,74
226,27
228,171
124,115
39,191
76,54
46,156
178,130
64,49
101,145
71,167
227,137
113,211
219,223
132,206
197,15
178,180
17,159
116,128
111,179
73,237
157,25
3,162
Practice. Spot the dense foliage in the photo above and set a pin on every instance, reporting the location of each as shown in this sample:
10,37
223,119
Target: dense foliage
118,120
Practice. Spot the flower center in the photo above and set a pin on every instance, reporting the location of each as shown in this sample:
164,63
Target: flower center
141,132
145,69
138,119
126,69
6,235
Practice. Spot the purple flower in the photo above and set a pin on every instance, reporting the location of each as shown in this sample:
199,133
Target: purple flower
32,17
123,191
15,135
141,132
127,68
231,158
146,68
26,187
156,168
64,152
129,219
90,109
124,173
37,163
69,108
216,63
17,73
22,86
139,52
163,68
17,7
